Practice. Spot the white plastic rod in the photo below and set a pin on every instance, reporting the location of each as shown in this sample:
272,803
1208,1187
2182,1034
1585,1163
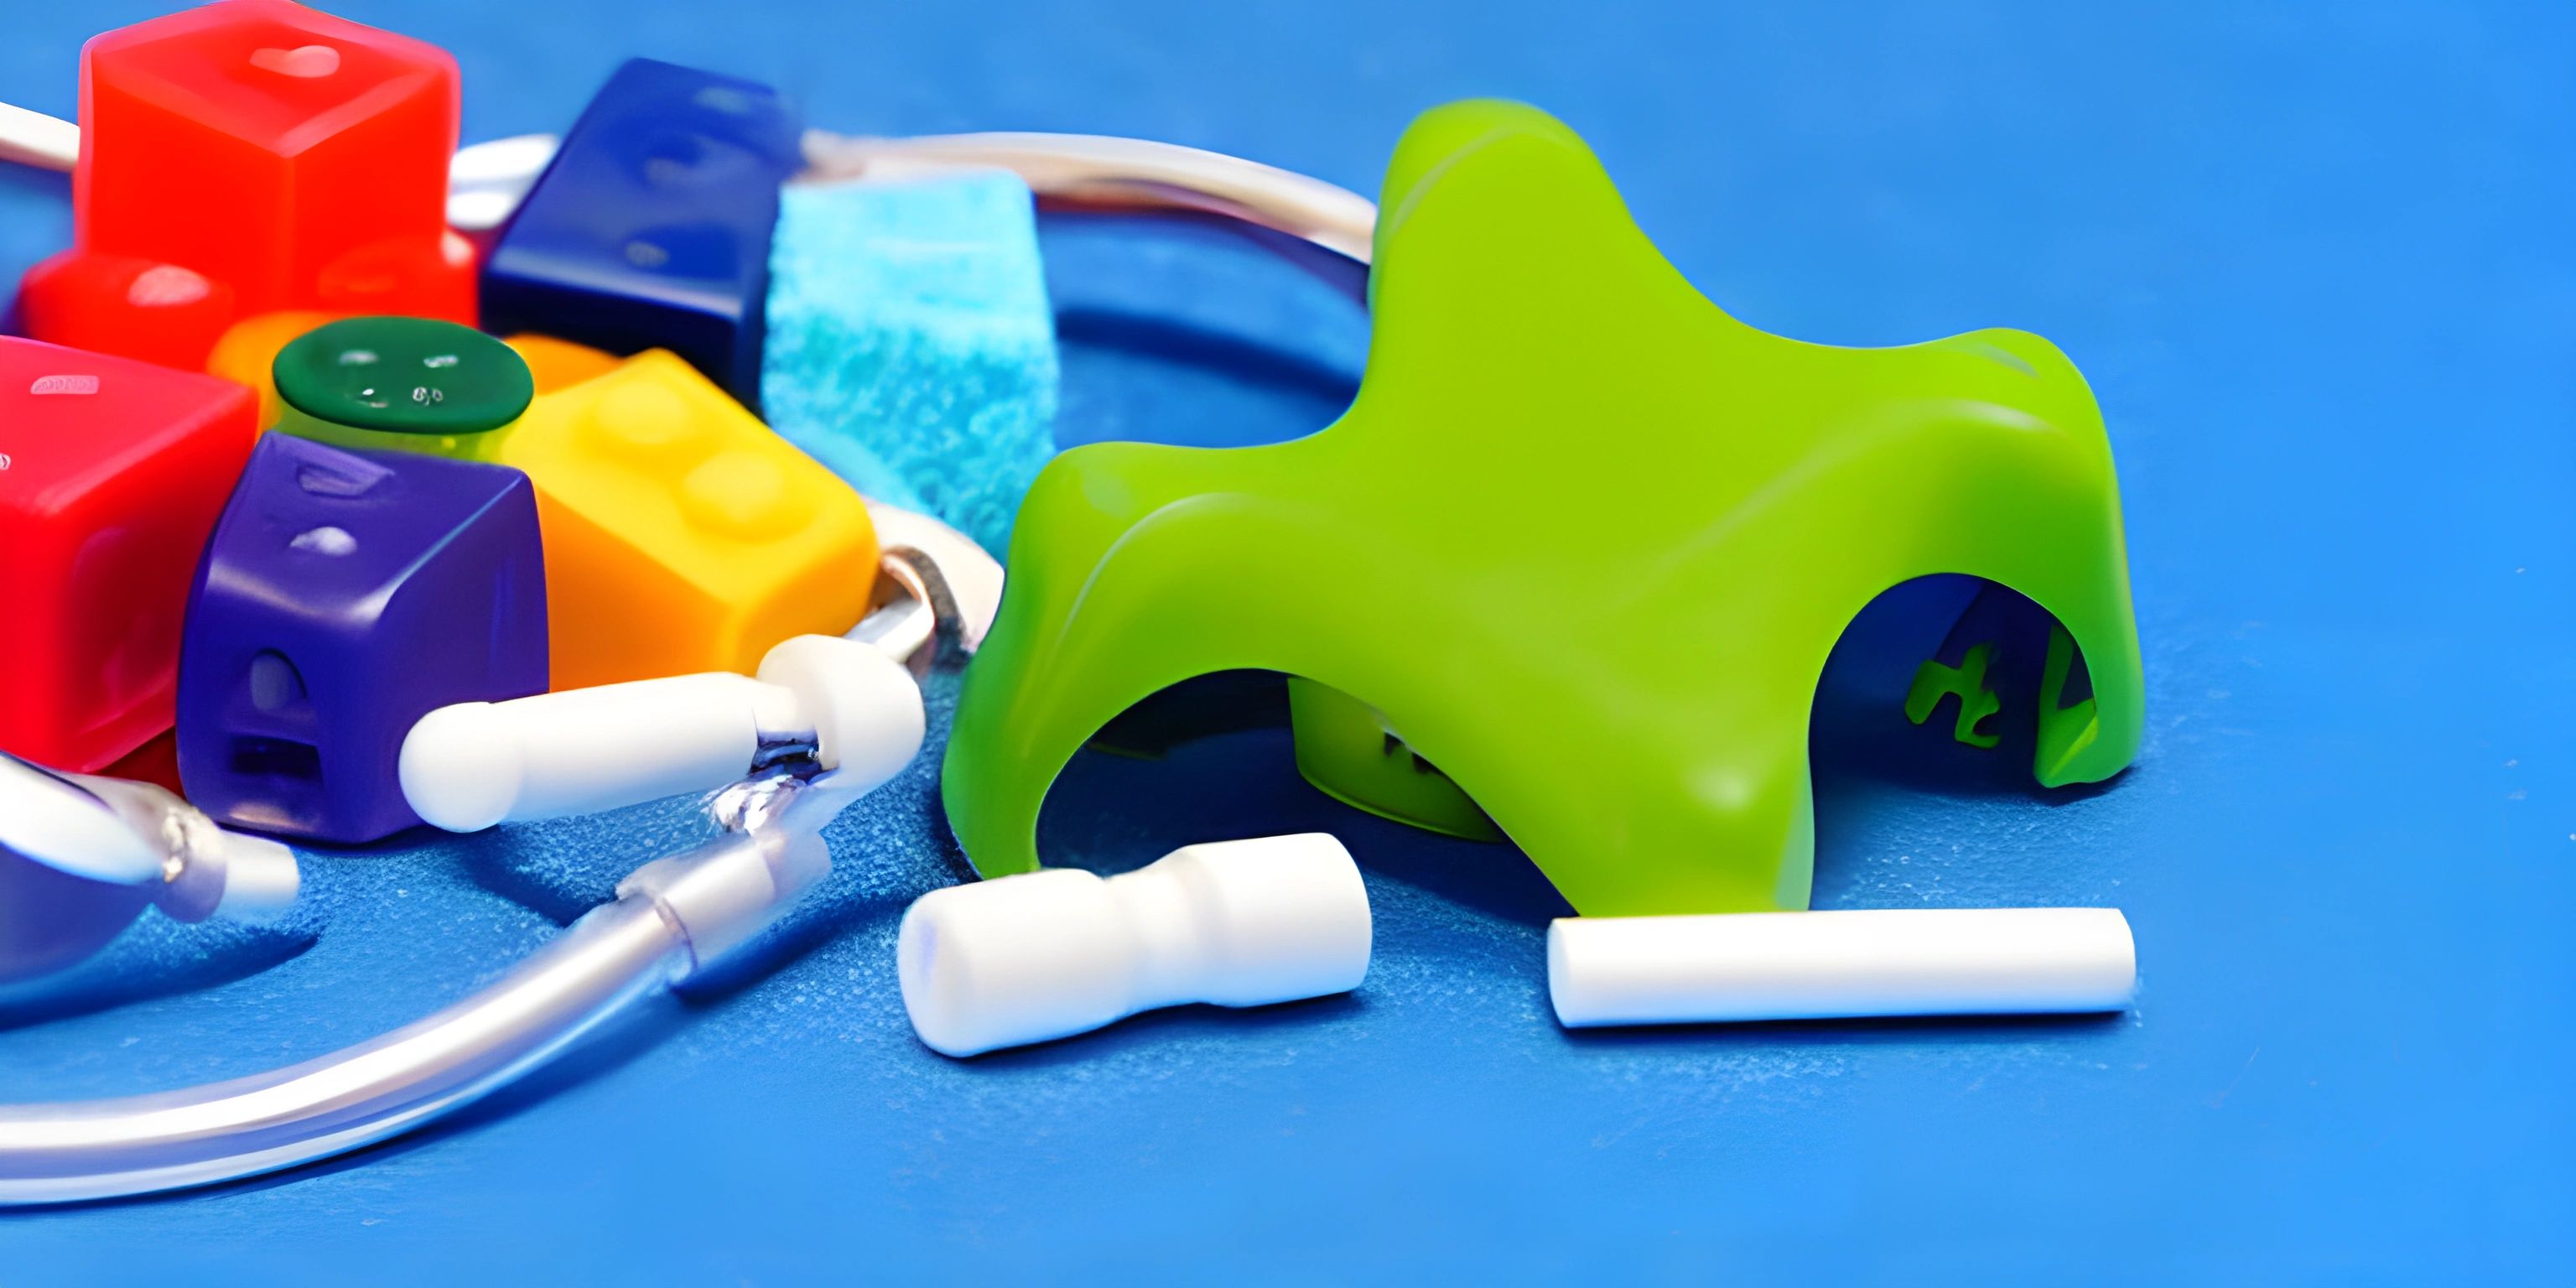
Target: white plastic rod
1819,965
33,138
260,878
469,766
1048,954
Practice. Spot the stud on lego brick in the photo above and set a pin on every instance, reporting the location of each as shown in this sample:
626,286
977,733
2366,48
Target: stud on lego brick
650,229
280,157
681,535
116,470
345,595
402,384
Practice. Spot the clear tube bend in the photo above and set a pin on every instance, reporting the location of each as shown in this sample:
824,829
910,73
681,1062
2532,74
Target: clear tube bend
222,1131
1090,172
671,918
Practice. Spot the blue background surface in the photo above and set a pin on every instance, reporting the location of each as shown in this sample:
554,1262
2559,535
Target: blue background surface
2317,263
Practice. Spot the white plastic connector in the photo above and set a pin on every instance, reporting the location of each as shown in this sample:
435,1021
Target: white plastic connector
1048,954
33,138
1817,965
260,878
469,766
863,708
486,181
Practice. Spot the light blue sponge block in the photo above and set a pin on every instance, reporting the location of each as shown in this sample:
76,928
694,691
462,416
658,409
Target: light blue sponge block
911,348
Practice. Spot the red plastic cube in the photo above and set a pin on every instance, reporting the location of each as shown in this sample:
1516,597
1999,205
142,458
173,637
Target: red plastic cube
120,304
114,473
291,159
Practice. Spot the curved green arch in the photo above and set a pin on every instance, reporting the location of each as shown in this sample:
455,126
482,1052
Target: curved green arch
1582,537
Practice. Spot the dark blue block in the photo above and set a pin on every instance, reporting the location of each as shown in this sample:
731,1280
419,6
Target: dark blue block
343,596
651,228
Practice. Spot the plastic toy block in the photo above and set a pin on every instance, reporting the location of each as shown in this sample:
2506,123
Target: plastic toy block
911,344
558,364
681,535
1720,502
126,305
286,158
651,227
344,596
114,473
402,384
247,354
155,762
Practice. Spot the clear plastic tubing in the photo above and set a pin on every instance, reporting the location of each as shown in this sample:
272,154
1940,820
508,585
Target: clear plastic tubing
138,1144
671,918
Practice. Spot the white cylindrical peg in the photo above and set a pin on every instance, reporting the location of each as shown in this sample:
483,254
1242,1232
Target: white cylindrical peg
1047,954
1819,965
260,878
468,766
852,708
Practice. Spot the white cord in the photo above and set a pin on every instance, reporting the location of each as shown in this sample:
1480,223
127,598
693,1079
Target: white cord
1097,171
33,138
1078,171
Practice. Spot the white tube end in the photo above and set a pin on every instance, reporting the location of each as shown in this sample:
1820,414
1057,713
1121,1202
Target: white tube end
1820,965
260,878
1048,954
1013,960
461,766
864,707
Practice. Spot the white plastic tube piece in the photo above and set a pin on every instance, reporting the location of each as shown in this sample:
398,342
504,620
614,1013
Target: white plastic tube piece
1817,965
468,766
33,138
1048,954
260,878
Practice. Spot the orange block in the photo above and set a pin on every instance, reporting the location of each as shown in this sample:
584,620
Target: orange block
681,534
248,354
558,364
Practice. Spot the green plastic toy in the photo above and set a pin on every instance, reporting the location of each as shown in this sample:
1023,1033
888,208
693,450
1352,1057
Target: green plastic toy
406,384
1582,542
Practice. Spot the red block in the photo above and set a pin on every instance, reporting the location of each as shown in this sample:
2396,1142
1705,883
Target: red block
112,473
155,762
290,159
120,304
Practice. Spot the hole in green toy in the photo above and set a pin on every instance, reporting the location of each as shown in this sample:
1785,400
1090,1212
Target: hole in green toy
1997,662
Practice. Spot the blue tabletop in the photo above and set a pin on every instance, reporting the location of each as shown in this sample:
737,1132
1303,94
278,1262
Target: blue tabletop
2317,263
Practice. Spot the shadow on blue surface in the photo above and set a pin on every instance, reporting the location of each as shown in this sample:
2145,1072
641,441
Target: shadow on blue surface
154,957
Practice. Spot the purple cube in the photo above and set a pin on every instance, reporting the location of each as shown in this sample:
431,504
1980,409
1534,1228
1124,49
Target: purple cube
346,594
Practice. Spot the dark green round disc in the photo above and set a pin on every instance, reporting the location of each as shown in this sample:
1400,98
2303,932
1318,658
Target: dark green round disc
404,376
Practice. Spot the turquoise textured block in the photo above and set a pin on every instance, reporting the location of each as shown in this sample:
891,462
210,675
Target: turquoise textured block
911,346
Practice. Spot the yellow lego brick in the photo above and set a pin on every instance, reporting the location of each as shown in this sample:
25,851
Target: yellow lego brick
681,534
